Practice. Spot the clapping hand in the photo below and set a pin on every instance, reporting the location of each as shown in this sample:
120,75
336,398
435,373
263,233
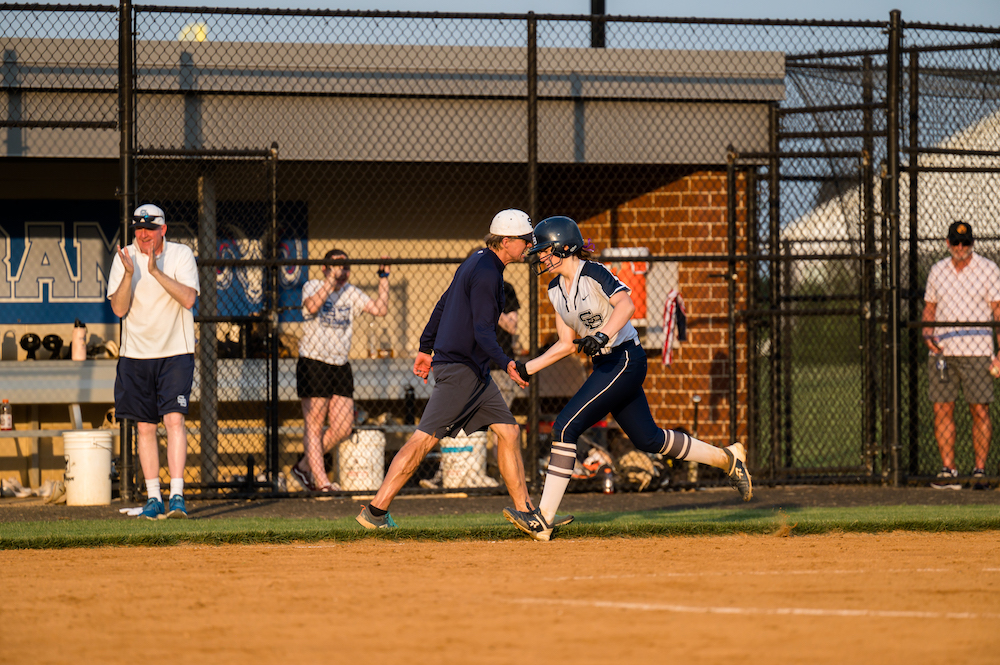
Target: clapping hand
126,260
153,270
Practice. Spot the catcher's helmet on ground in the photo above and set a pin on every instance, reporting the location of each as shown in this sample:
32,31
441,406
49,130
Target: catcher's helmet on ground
560,234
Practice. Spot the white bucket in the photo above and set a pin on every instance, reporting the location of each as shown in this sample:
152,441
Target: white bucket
463,461
361,459
88,467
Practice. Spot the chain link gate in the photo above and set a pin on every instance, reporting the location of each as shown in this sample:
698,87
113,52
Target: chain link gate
818,305
223,205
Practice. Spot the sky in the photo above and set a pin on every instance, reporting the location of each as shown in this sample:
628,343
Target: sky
960,12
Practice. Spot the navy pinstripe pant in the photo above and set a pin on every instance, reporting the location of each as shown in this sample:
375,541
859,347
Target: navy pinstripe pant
615,387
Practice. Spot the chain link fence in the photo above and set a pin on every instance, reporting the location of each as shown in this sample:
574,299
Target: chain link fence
741,177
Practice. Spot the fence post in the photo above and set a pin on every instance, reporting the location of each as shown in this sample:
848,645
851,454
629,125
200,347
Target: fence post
208,306
753,274
774,249
913,346
868,286
892,163
731,291
597,24
126,110
272,456
531,452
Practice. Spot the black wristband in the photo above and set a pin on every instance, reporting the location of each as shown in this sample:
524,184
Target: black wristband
522,370
429,350
383,273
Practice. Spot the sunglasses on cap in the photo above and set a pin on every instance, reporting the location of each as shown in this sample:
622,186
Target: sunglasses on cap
146,217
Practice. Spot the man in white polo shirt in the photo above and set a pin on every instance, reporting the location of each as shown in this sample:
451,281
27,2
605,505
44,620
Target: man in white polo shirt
962,288
152,286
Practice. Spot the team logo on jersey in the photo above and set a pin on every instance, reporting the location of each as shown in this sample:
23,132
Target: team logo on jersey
591,320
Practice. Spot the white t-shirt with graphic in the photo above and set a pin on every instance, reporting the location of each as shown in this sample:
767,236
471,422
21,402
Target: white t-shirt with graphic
326,335
964,296
156,325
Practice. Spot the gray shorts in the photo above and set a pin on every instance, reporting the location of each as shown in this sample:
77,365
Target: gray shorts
461,401
968,374
508,389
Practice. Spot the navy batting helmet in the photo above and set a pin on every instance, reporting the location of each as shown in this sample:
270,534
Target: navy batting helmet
560,234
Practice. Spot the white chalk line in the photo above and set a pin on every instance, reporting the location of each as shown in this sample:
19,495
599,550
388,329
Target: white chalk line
713,573
758,611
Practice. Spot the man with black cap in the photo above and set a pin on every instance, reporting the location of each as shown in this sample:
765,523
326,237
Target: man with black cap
459,341
962,288
152,286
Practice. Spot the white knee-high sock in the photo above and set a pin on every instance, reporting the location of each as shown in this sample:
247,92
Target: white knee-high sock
562,459
685,447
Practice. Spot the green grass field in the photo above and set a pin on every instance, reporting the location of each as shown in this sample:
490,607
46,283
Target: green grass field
487,527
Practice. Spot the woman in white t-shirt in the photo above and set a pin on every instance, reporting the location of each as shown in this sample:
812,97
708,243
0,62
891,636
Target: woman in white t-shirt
323,377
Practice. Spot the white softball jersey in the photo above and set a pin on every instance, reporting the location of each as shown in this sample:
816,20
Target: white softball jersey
585,304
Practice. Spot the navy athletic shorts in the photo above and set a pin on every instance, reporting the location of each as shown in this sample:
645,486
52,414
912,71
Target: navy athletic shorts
145,389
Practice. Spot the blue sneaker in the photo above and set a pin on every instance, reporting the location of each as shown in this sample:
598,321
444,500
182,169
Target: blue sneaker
369,521
177,510
153,510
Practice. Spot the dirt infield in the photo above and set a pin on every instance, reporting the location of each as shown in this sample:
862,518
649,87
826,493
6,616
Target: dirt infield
898,597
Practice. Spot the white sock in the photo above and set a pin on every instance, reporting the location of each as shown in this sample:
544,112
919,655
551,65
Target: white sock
153,489
176,487
562,459
684,447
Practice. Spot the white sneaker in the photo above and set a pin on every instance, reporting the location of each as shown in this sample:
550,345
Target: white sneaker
946,480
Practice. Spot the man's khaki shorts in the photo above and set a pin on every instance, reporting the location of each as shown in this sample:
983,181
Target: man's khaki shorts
969,375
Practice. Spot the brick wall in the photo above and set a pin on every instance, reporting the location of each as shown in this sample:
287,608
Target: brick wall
687,216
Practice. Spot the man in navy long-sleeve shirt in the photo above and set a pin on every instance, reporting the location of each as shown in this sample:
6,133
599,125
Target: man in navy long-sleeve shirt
476,295
462,337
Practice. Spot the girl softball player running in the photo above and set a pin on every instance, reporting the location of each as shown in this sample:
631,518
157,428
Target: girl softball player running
594,310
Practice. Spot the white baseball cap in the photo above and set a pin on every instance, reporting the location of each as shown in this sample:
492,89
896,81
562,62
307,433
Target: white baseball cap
513,223
148,216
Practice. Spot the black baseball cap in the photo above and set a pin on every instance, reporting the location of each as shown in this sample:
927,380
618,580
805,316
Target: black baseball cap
960,232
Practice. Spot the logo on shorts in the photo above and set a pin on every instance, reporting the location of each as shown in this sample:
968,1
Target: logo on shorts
182,401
